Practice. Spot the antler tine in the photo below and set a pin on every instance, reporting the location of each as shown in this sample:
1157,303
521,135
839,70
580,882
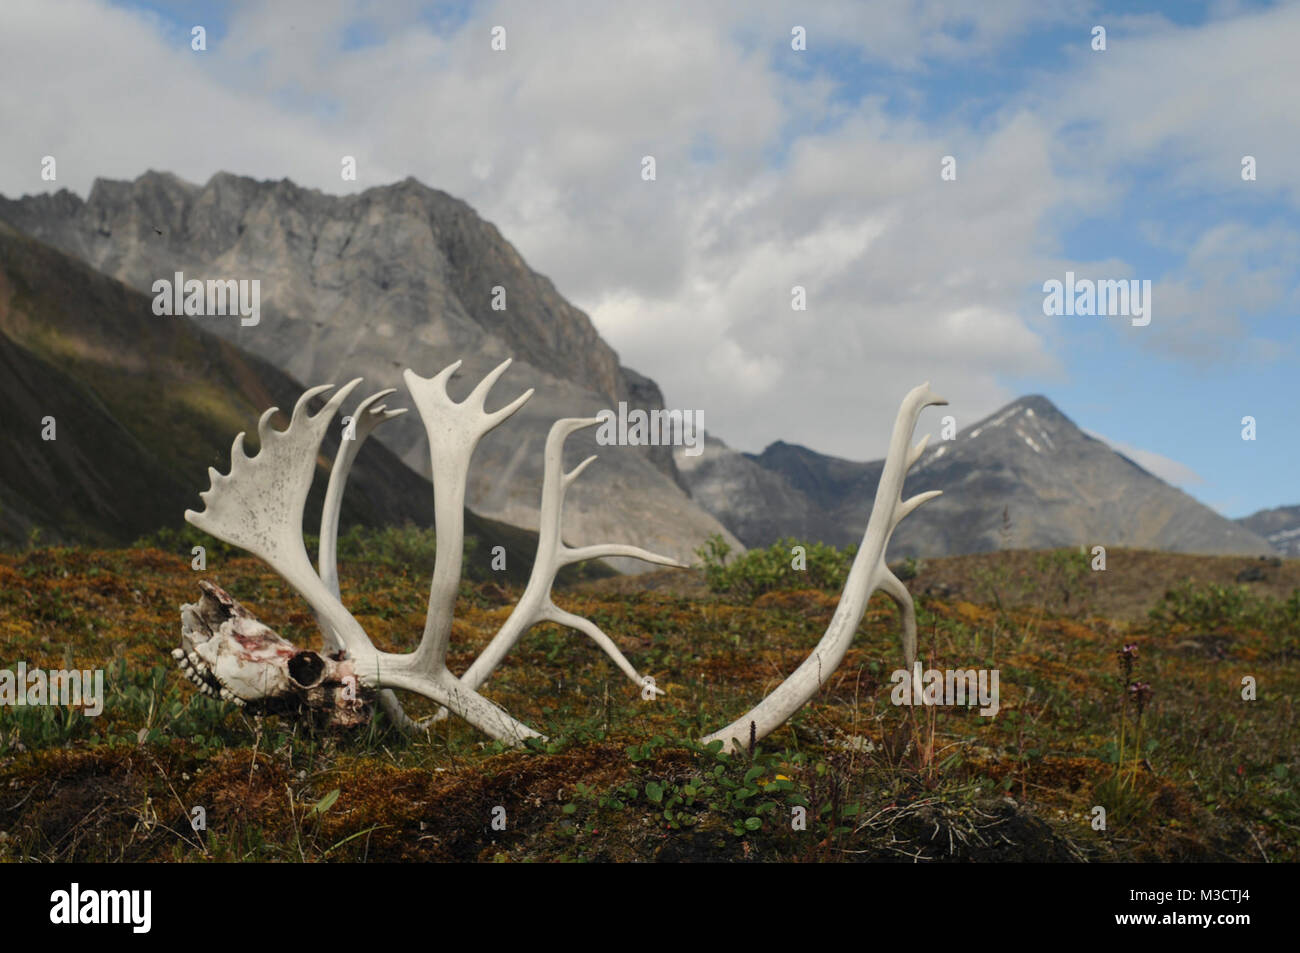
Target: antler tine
867,574
535,604
606,550
365,419
478,396
917,451
440,379
577,471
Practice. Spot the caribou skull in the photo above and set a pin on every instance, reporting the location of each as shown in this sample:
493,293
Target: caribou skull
258,506
229,655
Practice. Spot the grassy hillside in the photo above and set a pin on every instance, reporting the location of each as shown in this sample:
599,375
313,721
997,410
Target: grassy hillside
1203,774
142,406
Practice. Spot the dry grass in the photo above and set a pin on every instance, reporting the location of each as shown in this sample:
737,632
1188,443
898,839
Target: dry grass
877,782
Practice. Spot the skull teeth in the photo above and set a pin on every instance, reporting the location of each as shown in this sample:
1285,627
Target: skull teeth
196,670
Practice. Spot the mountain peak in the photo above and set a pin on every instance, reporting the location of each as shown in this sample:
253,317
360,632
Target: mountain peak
1032,420
1037,403
1057,486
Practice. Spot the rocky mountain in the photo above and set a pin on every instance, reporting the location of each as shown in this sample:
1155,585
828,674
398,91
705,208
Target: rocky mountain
393,277
1280,526
759,505
1025,478
138,408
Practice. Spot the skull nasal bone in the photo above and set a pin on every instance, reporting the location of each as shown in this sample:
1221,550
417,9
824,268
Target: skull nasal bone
306,668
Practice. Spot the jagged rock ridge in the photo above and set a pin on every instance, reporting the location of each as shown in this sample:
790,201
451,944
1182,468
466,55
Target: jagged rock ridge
393,277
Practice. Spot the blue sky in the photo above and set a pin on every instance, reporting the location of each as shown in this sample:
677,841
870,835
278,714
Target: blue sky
778,167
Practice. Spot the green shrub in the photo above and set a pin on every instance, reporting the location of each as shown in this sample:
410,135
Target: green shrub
763,570
743,793
182,540
400,548
1211,606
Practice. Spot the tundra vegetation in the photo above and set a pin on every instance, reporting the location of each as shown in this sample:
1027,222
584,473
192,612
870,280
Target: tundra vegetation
1199,774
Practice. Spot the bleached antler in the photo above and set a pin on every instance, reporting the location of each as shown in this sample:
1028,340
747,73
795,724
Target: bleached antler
360,425
535,604
867,574
454,430
363,423
258,506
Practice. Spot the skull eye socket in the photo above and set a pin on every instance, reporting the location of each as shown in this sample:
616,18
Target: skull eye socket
307,668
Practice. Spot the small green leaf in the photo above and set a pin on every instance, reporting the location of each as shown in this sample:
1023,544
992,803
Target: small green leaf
325,803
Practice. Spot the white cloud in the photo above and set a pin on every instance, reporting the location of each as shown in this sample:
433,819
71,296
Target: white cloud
1231,274
689,277
1188,102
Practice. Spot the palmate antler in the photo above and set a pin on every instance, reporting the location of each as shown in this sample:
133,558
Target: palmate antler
258,506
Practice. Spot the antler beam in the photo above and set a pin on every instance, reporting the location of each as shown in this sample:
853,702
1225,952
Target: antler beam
360,425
